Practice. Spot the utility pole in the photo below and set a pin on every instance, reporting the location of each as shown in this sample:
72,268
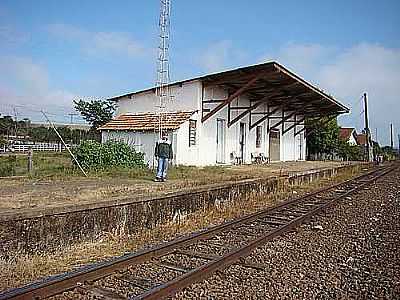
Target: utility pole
391,135
367,131
16,122
72,117
398,137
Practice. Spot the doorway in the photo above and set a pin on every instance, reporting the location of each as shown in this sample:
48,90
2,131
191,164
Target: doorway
220,141
301,146
242,142
274,145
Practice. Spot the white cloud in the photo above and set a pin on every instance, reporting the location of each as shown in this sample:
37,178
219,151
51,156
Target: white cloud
347,74
99,43
216,56
26,87
64,31
221,55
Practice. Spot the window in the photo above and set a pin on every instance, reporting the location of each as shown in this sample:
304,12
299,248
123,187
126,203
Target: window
192,132
258,136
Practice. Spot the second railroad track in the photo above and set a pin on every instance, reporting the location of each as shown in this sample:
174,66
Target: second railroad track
163,270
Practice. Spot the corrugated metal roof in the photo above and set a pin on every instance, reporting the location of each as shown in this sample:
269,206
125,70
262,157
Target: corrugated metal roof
148,121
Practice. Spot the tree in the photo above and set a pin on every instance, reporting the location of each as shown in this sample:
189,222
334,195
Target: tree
389,153
95,112
349,152
322,139
6,125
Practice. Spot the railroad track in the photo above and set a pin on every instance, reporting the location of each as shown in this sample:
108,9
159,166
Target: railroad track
163,270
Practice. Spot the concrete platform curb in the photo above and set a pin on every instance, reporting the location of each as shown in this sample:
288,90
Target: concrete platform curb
47,229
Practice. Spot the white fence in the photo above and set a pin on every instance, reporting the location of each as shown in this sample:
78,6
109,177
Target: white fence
56,147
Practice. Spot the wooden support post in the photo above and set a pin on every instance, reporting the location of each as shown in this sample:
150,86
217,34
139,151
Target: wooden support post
229,113
30,161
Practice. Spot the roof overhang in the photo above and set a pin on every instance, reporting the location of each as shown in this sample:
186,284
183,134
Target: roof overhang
274,84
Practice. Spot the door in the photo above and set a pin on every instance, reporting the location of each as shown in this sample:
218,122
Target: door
220,141
274,145
242,142
301,146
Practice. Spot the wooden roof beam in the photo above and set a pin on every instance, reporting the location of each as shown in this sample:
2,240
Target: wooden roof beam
231,98
240,116
265,117
294,125
283,120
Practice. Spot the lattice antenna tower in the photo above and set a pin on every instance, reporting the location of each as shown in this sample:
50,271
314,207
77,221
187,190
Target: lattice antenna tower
162,84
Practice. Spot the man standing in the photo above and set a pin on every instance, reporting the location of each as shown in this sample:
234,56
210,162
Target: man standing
163,153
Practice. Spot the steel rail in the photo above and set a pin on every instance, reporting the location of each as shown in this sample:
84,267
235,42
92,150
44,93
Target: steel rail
208,269
68,281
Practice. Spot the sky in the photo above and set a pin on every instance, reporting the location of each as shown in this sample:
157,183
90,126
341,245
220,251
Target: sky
53,52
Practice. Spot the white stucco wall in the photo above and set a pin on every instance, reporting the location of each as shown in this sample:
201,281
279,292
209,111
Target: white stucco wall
184,98
289,144
352,141
188,96
145,142
141,141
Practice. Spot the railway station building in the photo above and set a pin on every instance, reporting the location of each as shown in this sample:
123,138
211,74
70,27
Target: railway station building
237,116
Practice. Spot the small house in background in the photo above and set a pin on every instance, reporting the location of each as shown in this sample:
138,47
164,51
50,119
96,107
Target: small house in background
254,113
348,135
361,139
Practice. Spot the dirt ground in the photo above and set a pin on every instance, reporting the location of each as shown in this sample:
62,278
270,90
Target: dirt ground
50,192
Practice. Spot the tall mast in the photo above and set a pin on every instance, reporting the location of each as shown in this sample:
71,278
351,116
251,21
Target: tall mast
367,131
162,84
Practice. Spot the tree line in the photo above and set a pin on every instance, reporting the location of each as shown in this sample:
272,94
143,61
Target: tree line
95,112
323,138
24,130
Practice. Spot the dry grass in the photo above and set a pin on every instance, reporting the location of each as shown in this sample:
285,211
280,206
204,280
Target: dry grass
23,268
115,184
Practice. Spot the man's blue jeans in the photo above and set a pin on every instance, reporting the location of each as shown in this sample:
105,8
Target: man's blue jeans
162,168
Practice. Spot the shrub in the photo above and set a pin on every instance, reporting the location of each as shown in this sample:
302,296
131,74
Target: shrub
93,155
7,165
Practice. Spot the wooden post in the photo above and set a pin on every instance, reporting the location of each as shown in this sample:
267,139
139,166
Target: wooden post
30,161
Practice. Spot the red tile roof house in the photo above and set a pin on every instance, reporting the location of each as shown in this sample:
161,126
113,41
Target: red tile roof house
221,117
361,139
348,134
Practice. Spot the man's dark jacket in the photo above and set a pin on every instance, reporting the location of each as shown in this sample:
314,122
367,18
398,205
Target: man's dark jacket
163,150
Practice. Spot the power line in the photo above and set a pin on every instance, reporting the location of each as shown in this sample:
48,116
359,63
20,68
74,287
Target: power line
38,110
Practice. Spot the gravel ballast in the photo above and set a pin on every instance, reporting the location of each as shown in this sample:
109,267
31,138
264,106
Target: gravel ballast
352,251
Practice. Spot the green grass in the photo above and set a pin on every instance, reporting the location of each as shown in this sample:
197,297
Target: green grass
44,164
59,165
